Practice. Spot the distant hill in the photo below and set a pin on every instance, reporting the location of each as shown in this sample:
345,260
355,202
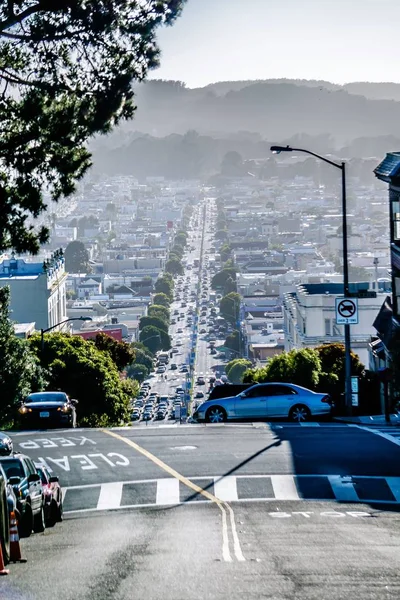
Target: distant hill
372,91
375,91
273,110
222,87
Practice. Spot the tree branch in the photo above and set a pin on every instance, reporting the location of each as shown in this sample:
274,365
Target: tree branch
15,19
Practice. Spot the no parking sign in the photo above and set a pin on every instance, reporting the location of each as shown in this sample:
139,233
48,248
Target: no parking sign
346,311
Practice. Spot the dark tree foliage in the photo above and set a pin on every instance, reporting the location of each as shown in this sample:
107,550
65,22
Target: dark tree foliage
164,286
76,258
161,299
121,353
20,372
156,310
66,74
153,321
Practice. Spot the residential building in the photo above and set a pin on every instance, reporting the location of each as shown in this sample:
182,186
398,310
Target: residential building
38,290
310,316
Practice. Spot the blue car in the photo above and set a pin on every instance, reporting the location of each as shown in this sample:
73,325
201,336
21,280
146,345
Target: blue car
266,400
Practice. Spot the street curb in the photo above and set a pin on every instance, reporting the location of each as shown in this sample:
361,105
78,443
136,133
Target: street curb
369,420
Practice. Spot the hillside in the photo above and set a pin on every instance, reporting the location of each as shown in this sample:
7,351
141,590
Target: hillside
273,110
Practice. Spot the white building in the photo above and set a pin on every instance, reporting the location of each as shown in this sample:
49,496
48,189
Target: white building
37,290
309,317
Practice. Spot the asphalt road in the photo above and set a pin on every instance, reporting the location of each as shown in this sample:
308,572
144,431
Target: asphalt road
282,511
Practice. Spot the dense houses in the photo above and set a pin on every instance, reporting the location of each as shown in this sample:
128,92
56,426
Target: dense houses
282,236
126,228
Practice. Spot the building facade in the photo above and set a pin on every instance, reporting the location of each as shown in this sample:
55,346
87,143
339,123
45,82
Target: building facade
309,317
37,290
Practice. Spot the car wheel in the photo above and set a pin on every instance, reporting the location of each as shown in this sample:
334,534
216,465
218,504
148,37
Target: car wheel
60,510
39,524
26,522
53,514
300,413
216,414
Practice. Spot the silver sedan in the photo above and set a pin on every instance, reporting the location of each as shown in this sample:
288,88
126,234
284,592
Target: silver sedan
266,400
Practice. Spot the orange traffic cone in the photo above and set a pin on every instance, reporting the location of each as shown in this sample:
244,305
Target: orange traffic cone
3,570
15,550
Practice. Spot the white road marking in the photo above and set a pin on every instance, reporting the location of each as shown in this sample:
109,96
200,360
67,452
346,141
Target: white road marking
167,492
284,487
394,485
343,489
225,488
388,437
310,424
110,496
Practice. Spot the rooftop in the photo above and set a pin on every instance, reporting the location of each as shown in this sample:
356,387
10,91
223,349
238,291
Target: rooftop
389,168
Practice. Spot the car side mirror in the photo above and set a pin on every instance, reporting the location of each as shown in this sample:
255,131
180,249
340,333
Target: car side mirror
243,395
74,401
54,479
14,480
34,477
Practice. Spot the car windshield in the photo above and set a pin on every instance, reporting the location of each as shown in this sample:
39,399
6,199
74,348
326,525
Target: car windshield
43,476
12,468
46,397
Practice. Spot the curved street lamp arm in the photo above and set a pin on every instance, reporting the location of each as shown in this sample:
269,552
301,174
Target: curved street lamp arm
330,162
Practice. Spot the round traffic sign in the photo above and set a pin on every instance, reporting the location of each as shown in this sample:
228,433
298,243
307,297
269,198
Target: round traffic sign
346,308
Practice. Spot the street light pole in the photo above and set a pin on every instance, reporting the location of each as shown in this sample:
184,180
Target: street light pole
43,331
347,336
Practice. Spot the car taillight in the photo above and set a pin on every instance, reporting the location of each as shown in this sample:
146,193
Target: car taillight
326,399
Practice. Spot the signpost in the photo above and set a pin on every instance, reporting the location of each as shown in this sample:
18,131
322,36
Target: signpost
346,311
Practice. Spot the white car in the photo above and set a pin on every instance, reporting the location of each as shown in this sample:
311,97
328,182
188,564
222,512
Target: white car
266,400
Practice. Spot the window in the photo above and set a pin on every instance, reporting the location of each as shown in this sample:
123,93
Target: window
280,390
337,330
30,467
327,326
13,468
396,220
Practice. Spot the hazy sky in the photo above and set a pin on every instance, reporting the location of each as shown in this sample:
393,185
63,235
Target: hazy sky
335,40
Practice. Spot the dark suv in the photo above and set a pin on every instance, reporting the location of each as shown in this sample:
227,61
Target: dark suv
25,480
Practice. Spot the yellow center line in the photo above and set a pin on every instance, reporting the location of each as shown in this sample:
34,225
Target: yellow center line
193,486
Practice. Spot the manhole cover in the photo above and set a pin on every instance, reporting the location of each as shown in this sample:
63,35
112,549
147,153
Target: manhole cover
184,448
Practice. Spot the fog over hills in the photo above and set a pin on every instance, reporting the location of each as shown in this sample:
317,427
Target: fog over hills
176,125
274,110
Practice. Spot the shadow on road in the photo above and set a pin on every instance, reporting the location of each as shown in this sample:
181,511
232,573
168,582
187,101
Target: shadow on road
236,468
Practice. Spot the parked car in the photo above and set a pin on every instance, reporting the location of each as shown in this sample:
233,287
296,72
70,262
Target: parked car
48,409
53,504
266,400
25,480
4,517
6,444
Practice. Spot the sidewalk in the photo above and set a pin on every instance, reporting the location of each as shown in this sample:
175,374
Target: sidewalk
371,420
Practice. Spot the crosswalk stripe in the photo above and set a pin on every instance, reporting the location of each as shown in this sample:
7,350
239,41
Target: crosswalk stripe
381,432
343,490
225,488
110,496
167,491
394,485
284,487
